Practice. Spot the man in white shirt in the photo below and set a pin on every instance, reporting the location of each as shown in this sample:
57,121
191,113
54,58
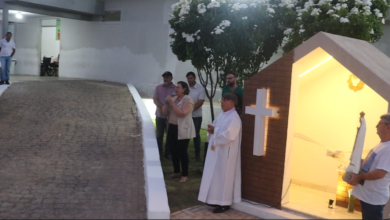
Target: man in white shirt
374,178
7,50
221,180
197,93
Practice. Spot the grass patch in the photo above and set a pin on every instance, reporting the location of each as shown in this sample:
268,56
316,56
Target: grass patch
185,195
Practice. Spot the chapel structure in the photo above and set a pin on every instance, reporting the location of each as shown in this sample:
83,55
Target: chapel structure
318,91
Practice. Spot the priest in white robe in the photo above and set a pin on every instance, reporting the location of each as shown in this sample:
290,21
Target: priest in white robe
221,180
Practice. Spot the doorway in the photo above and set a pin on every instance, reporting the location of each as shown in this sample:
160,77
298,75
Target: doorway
50,46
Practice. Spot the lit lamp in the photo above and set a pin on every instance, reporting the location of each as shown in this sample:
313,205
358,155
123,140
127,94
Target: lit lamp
19,15
359,85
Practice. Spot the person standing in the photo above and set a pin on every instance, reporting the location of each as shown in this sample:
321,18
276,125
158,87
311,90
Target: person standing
232,86
7,51
197,93
371,186
159,98
221,180
180,129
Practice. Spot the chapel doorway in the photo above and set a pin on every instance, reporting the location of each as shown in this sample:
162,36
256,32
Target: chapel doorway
327,106
50,46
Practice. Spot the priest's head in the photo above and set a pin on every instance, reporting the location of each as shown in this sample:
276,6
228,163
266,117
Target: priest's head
229,101
383,128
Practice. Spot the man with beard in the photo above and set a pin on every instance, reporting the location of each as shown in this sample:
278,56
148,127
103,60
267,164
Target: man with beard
231,81
160,94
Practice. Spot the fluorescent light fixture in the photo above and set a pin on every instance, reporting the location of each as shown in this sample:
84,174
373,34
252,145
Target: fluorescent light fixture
319,64
19,15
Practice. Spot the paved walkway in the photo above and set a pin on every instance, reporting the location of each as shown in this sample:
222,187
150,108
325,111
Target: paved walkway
205,212
70,149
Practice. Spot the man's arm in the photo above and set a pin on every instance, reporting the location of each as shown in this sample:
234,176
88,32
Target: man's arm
371,175
157,103
13,52
198,104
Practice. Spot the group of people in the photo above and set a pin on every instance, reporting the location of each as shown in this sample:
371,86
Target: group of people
179,113
7,51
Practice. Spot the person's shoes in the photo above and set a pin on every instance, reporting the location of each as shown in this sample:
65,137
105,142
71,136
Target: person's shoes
221,209
7,82
183,179
175,175
197,158
212,205
1,82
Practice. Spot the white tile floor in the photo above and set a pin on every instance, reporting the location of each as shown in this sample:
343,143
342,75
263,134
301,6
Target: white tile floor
315,202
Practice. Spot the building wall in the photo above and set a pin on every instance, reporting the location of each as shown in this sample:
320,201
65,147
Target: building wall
262,177
135,50
28,40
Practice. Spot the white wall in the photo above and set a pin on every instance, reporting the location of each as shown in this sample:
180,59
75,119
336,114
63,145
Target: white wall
50,47
135,50
27,42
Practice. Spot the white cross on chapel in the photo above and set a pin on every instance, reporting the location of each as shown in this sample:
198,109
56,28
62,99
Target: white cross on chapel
260,111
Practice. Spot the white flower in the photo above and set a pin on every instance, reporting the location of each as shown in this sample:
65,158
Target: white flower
201,8
207,49
309,4
214,4
344,20
172,32
238,6
367,2
315,12
378,13
290,6
189,37
198,37
287,31
299,18
301,31
335,15
372,31
225,23
337,7
354,10
271,10
330,11
383,21
344,5
245,18
218,31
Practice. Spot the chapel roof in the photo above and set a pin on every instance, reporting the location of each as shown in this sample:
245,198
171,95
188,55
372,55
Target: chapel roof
360,57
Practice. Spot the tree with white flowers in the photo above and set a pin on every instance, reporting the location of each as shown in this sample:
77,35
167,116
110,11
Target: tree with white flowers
361,19
224,36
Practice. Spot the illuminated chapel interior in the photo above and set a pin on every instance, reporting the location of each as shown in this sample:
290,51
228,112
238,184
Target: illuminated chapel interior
326,107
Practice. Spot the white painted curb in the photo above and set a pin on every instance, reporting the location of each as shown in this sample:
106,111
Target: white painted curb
156,192
3,88
264,212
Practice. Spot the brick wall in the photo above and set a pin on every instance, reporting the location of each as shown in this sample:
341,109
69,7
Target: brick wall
262,177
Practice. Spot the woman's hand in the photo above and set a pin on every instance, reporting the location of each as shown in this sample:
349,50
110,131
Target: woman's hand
170,100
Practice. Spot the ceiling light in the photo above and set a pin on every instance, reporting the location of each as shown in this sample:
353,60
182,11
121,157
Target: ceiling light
19,15
316,66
